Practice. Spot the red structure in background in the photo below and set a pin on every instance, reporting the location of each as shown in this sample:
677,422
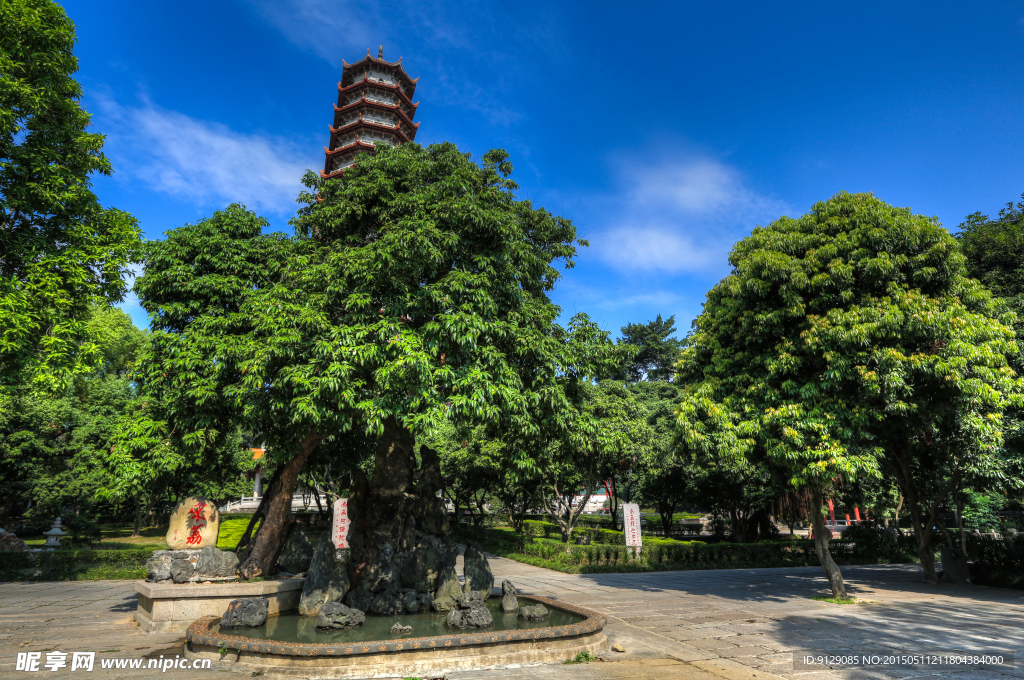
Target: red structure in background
374,106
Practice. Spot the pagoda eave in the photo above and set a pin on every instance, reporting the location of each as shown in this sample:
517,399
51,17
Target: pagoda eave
366,79
358,144
390,107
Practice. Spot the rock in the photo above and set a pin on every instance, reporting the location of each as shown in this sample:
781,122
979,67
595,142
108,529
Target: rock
247,612
509,601
954,566
11,543
469,599
215,563
195,523
445,597
400,537
158,566
416,602
424,569
360,599
618,648
469,612
337,615
327,580
399,629
297,552
535,612
477,571
387,603
182,570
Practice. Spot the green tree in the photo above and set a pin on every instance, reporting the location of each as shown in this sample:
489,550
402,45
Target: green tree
656,351
848,344
994,249
53,443
611,432
412,295
60,251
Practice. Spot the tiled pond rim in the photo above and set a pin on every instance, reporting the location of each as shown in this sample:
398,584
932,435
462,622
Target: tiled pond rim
417,656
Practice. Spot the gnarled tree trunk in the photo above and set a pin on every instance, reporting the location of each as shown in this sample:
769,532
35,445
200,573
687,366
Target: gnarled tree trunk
274,529
401,553
822,535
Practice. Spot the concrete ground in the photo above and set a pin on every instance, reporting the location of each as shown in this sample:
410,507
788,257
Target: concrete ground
744,624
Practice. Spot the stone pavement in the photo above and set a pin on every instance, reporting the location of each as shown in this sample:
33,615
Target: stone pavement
701,625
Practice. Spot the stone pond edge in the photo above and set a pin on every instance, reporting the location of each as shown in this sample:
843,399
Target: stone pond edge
199,633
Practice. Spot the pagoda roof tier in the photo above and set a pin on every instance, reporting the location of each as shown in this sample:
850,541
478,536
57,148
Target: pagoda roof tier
361,122
366,81
358,144
370,60
340,171
379,105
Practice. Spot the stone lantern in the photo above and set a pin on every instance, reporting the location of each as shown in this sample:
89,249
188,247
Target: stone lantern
53,535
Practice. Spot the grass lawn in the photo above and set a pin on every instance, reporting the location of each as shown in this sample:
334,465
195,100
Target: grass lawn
120,537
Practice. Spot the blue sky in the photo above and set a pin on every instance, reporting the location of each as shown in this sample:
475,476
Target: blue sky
665,131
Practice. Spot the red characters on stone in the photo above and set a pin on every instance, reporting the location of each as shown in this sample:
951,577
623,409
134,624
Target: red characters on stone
196,515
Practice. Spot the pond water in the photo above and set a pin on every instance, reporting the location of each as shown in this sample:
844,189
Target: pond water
294,628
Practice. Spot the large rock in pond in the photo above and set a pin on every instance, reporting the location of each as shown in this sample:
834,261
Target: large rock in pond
326,579
337,615
11,543
297,552
477,571
448,593
247,612
509,601
537,612
469,612
195,523
214,563
400,540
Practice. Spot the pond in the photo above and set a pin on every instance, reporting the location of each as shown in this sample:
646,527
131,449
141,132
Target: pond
294,628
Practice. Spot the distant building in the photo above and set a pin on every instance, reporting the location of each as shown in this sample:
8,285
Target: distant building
374,105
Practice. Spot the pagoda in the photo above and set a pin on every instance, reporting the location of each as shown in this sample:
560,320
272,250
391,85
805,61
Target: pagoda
374,106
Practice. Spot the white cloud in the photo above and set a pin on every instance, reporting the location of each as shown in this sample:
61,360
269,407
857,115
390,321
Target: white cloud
207,162
681,215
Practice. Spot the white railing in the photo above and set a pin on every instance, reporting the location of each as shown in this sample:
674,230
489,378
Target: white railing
299,502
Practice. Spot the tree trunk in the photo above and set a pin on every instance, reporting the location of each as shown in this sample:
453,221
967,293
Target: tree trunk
821,538
615,506
923,526
666,509
137,525
269,490
274,530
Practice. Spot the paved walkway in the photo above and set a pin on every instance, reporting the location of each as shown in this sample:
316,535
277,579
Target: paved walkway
703,625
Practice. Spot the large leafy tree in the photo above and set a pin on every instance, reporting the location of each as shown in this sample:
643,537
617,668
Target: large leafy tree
413,294
994,248
60,250
848,344
53,443
656,351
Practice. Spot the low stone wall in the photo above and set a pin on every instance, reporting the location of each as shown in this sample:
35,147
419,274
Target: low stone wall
408,657
172,607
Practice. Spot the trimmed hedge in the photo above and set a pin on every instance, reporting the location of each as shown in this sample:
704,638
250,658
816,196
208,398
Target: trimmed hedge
70,565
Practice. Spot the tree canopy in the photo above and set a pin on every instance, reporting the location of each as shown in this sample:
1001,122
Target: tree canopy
656,352
60,250
847,342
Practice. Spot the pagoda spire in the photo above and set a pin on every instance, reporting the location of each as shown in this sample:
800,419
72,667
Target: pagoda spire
374,107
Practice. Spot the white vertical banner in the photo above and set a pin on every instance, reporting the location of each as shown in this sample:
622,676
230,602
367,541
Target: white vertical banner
339,530
631,526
